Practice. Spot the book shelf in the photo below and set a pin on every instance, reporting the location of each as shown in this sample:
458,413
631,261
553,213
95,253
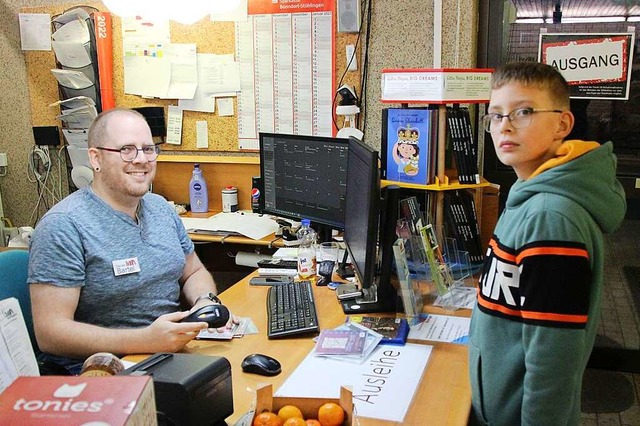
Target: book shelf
439,87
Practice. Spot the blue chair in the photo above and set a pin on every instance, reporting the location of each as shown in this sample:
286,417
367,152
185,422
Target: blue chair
14,265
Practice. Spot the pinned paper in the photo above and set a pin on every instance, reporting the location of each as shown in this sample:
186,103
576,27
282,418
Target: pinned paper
202,134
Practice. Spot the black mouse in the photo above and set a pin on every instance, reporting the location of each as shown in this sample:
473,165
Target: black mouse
214,315
261,364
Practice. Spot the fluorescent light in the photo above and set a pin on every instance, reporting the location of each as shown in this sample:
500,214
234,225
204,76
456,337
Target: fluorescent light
593,19
182,11
529,21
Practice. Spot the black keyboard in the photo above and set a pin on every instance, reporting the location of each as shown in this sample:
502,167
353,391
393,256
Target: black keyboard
278,264
291,310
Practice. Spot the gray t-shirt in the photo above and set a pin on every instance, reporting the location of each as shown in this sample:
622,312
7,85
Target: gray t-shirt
128,272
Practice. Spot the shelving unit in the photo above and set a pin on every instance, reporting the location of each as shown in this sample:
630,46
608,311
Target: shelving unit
437,87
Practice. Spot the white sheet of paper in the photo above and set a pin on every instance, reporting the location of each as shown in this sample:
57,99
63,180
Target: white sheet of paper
184,70
16,353
35,31
221,77
441,328
202,134
72,79
174,125
392,373
147,75
75,102
76,137
71,54
75,30
202,101
225,107
79,156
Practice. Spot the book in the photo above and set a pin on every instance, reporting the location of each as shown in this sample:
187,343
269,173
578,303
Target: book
407,144
394,331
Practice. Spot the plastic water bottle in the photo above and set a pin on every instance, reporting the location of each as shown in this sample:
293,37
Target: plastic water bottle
306,251
198,195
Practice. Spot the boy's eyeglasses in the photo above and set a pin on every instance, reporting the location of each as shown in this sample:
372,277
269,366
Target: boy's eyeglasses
129,153
519,118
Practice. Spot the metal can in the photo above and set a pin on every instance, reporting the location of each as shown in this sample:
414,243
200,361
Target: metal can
230,199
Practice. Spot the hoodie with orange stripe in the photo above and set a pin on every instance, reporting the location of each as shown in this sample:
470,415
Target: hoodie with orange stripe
539,296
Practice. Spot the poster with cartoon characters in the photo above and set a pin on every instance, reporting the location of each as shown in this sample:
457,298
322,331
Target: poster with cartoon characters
407,133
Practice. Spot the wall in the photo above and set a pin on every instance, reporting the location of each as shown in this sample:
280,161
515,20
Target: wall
401,37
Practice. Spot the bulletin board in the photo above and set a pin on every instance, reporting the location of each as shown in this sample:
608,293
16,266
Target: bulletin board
210,37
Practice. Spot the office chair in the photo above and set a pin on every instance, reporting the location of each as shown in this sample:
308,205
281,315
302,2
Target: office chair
14,265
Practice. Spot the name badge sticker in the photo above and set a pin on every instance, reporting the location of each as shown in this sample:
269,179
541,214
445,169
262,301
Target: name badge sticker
125,266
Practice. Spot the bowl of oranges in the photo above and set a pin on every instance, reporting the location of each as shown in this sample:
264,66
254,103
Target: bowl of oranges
291,411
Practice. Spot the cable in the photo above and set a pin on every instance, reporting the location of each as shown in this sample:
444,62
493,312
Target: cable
335,96
365,69
39,171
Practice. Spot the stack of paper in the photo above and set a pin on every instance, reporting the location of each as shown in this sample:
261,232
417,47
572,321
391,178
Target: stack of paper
250,225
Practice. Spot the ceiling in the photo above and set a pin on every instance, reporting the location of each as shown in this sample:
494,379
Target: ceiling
576,8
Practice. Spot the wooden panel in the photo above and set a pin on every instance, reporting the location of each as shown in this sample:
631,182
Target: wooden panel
174,173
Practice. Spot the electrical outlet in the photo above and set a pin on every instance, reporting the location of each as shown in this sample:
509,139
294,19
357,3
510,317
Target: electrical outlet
3,159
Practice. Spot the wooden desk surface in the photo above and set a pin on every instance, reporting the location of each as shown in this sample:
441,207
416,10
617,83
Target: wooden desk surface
443,397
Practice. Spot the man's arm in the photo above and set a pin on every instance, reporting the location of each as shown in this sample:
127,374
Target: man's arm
58,333
196,280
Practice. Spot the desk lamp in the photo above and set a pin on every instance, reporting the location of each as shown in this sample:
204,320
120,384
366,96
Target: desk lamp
348,109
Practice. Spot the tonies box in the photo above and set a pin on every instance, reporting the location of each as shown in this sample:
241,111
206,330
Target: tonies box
69,400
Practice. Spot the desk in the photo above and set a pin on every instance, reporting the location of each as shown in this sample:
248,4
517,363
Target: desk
443,396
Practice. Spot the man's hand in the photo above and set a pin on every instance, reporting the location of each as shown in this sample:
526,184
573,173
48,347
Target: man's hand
168,334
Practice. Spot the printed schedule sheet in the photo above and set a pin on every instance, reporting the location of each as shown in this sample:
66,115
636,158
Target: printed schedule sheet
286,56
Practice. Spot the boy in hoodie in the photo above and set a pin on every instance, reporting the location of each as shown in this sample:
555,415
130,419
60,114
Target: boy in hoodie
539,296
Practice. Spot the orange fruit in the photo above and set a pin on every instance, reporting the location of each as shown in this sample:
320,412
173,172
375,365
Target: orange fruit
295,421
267,419
313,422
288,411
330,414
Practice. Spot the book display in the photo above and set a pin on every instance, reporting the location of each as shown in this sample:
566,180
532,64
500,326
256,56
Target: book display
442,246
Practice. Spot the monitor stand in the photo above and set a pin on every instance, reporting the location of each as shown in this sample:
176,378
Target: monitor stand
368,303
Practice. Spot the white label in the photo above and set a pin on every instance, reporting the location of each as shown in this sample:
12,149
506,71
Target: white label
125,266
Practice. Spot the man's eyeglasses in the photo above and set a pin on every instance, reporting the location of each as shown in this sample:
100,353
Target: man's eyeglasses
129,153
519,118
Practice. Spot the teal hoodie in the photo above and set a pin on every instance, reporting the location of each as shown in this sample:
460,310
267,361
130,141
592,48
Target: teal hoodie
539,296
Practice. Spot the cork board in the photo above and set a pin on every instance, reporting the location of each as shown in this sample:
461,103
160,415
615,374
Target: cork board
210,37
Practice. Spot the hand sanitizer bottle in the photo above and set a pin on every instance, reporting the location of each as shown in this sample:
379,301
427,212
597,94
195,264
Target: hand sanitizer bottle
198,196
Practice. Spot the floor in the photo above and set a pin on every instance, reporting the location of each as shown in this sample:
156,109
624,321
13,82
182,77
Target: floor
620,320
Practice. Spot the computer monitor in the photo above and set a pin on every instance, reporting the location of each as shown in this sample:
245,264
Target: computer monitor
305,177
369,231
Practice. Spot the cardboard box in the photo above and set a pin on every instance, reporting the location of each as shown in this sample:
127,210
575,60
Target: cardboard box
77,400
265,401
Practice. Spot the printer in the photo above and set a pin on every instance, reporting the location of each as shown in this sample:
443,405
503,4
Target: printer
190,389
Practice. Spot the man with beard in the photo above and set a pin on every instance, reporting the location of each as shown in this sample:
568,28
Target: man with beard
109,263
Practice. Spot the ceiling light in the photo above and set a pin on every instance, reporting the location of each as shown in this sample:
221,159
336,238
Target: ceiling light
183,11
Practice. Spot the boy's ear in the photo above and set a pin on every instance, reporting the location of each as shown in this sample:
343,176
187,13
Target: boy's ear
566,124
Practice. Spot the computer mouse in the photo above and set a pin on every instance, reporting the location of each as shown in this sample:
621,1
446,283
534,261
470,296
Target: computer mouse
214,315
261,364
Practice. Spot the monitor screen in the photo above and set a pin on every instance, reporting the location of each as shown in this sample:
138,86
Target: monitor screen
362,208
367,238
304,177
